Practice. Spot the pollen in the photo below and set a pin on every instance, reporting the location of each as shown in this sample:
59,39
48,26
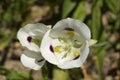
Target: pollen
58,49
76,53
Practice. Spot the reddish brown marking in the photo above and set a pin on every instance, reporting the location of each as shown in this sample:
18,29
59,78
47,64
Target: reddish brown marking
76,57
40,60
29,38
51,48
69,29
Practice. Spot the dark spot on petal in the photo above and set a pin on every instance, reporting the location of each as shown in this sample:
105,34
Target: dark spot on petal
29,38
69,29
76,57
40,60
51,48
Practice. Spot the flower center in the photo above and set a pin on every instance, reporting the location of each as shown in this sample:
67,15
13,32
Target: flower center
69,49
68,45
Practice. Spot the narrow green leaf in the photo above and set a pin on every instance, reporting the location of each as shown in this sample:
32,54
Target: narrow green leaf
68,6
100,59
96,19
80,12
101,55
96,22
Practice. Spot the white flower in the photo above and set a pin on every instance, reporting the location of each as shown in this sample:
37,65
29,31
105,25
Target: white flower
67,44
31,35
31,59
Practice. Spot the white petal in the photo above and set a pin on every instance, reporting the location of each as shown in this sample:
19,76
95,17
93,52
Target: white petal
34,30
37,29
32,59
78,62
45,49
76,25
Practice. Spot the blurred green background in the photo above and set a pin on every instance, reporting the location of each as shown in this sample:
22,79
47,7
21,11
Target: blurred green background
102,17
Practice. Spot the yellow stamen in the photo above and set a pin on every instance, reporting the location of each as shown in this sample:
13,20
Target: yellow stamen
76,53
58,49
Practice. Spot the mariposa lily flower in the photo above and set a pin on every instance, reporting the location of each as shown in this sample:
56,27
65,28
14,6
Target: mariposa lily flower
67,44
30,36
